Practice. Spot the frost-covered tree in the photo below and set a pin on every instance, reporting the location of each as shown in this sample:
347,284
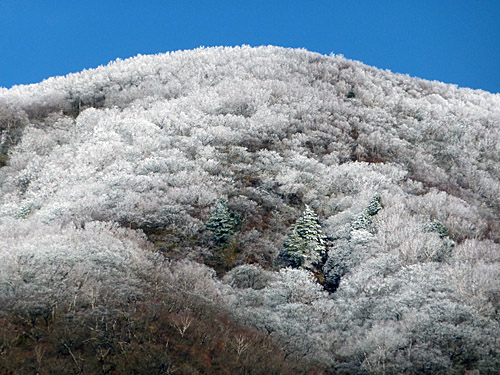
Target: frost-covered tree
289,305
347,252
438,227
273,128
305,244
365,219
447,243
223,222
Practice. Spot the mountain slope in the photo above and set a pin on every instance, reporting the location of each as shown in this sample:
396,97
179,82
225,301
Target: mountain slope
111,175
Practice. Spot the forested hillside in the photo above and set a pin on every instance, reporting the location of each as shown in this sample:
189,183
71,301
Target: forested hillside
248,210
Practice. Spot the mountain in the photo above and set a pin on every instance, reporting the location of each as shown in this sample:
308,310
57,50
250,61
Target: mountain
248,210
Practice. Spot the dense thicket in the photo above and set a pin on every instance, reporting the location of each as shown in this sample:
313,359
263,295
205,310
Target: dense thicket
109,181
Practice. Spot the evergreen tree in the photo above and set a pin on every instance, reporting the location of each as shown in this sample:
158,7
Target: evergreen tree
438,227
305,244
345,254
447,245
374,206
223,222
365,219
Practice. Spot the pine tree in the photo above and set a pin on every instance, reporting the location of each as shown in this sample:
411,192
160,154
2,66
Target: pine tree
447,245
305,244
223,222
344,254
438,227
374,206
365,219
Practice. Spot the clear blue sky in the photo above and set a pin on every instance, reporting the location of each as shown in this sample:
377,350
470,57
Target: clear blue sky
455,41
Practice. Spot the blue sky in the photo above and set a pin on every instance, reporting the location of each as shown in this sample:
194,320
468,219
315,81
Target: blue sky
453,41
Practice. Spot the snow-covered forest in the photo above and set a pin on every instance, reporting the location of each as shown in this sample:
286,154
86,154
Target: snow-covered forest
248,210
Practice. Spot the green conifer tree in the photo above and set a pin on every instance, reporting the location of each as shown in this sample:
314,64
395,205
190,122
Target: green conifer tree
448,244
438,227
305,244
222,222
365,219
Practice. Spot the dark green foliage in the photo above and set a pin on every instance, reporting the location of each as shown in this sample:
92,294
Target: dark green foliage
438,227
374,206
23,212
361,222
223,222
338,263
364,220
293,251
305,243
342,257
340,130
447,245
